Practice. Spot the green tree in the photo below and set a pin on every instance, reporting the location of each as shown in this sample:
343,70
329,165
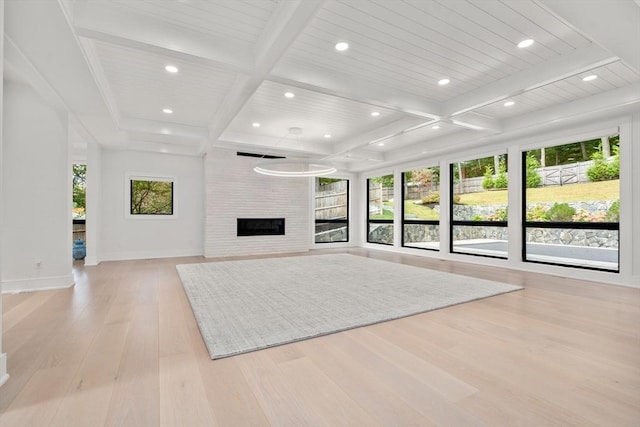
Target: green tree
79,188
488,181
151,197
533,177
386,180
501,180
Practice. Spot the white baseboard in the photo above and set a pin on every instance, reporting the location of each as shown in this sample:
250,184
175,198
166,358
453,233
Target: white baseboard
125,256
4,376
91,261
37,284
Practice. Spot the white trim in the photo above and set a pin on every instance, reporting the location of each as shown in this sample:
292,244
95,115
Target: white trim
145,176
91,261
37,284
126,256
4,376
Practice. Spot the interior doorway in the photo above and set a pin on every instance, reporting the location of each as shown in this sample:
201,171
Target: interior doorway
79,250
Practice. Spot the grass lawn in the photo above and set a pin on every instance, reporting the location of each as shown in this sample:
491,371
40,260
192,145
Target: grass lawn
419,211
588,191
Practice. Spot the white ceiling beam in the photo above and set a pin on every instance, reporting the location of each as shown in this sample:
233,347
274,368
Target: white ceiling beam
95,67
613,24
162,128
289,20
275,144
342,85
100,21
577,62
381,133
476,121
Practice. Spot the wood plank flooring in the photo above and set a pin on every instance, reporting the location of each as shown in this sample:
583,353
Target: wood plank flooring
122,348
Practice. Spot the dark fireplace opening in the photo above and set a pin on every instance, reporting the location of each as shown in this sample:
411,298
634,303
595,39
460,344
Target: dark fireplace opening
260,226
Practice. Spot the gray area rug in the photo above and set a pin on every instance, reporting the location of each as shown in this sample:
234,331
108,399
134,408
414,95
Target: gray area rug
242,306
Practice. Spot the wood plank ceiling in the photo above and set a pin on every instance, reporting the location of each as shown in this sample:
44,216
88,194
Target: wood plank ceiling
236,59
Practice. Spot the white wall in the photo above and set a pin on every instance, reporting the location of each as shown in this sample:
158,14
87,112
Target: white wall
123,237
234,190
36,216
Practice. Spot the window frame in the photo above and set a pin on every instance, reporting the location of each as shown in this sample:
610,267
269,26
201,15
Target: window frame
130,177
416,222
453,222
335,221
377,221
611,226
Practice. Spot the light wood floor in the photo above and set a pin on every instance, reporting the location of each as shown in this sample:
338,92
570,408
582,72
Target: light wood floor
121,348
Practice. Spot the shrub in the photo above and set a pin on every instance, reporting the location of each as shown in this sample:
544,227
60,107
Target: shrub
434,198
476,218
501,180
613,214
533,177
488,182
584,216
538,213
561,212
431,198
599,171
500,214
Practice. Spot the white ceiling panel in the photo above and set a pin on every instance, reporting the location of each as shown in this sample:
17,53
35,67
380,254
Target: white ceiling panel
410,45
315,113
142,88
242,20
610,77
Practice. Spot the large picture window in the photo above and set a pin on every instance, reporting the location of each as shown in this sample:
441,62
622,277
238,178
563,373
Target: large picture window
380,210
479,205
421,208
151,196
331,210
571,204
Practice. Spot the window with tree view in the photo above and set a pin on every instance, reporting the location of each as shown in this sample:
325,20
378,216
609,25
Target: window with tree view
479,204
421,208
380,210
151,197
572,204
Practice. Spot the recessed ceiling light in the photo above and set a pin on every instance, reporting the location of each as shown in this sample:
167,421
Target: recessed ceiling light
342,46
255,124
380,144
509,103
375,113
171,68
289,94
443,82
435,127
167,111
589,78
525,43
327,135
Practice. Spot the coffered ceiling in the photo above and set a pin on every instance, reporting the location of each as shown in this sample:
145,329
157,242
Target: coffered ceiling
375,103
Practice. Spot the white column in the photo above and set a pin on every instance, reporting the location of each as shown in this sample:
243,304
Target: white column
445,210
4,376
94,172
515,174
